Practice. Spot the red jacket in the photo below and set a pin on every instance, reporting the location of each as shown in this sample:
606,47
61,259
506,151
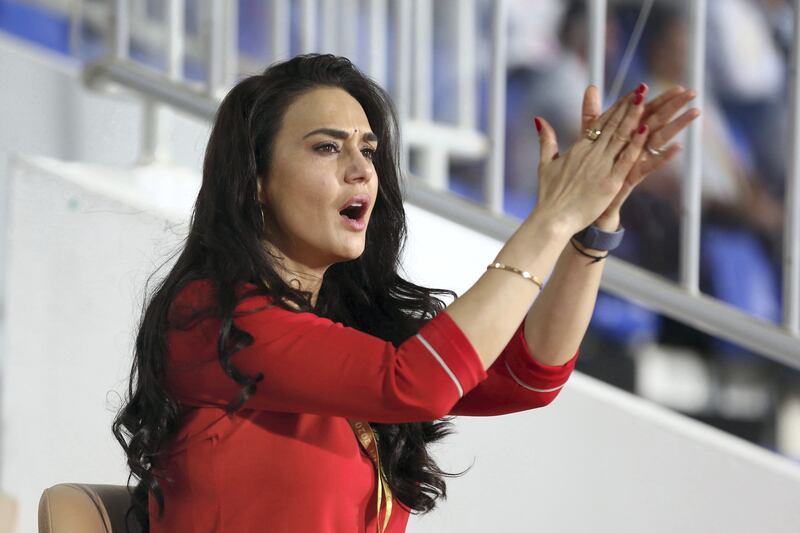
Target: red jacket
289,461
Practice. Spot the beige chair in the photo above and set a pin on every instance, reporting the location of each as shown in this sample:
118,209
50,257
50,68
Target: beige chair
8,513
80,508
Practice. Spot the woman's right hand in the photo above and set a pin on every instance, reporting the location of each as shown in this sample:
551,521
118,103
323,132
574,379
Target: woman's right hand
576,187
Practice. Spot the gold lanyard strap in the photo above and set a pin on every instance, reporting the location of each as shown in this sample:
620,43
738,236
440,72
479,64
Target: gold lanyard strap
368,441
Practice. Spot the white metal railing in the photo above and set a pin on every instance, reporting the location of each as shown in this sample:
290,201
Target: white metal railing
692,186
684,301
436,143
322,27
791,232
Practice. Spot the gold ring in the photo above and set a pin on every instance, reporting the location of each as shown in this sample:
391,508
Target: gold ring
654,151
592,133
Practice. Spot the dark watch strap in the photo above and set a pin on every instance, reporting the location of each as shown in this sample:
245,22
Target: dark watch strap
597,239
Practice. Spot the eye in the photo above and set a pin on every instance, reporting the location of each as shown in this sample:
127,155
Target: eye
369,153
331,148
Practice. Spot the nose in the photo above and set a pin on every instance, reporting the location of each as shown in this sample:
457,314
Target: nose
359,168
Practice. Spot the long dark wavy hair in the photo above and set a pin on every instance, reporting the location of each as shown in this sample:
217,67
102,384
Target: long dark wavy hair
225,245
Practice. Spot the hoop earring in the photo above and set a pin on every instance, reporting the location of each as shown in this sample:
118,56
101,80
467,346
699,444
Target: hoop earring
263,221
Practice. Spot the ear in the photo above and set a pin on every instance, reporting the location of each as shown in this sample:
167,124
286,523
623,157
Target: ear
259,194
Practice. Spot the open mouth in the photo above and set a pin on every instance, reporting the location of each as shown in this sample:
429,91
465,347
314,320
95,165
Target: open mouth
354,212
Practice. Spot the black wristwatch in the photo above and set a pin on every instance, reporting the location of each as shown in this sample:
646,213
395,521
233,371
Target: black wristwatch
597,239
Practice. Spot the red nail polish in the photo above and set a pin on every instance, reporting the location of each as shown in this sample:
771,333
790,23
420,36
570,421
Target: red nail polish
641,88
538,124
638,99
642,128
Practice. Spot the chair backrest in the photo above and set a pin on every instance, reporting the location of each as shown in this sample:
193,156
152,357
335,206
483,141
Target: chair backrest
8,513
81,508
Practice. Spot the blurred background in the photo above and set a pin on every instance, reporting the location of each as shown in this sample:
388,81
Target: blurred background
105,108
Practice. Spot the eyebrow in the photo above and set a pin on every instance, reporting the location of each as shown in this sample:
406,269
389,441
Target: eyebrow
341,134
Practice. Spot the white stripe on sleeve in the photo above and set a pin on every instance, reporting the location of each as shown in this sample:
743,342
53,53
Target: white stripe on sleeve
444,365
534,389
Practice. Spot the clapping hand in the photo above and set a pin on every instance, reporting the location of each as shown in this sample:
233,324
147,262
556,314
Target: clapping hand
661,129
578,187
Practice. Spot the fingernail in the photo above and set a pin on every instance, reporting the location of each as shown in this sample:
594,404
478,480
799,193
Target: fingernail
538,124
641,88
638,99
642,128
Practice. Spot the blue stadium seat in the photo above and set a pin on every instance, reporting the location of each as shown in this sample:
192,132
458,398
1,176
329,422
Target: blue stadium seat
622,321
739,272
34,23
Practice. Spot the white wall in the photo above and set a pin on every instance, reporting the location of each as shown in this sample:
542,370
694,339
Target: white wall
45,110
598,459
77,262
83,239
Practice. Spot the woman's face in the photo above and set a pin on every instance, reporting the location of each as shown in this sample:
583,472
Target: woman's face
321,164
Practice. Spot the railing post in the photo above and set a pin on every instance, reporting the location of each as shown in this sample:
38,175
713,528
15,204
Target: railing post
215,39
791,232
493,184
466,71
156,118
231,42
377,41
348,39
308,26
423,66
329,29
403,44
278,29
402,78
691,207
120,30
175,38
432,163
596,47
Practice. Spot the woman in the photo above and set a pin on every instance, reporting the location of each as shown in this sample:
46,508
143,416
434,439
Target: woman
286,378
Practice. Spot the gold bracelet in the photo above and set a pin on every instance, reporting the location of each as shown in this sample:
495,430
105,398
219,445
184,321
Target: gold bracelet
527,275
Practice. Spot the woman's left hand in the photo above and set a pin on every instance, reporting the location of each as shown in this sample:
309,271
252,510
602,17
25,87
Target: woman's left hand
657,115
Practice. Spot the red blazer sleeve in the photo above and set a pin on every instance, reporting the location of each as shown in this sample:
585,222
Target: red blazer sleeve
313,365
516,382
